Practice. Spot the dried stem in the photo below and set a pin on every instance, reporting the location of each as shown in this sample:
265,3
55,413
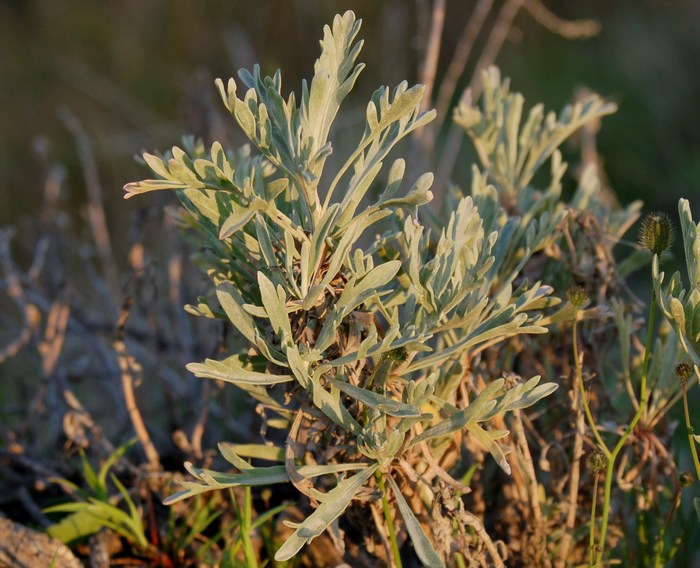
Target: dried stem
13,285
574,479
130,369
432,54
488,55
569,29
200,425
96,212
584,400
461,55
301,483
540,536
494,43
478,527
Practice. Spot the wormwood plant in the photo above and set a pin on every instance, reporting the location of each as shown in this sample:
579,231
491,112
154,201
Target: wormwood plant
382,350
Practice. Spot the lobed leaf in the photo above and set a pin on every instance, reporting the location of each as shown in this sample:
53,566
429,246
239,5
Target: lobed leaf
332,507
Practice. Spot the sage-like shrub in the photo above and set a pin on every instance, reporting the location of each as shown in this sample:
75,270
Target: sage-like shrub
390,351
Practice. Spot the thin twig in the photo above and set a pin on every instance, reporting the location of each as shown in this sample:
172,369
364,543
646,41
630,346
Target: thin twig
49,348
474,522
13,286
461,55
95,210
32,508
488,55
381,528
569,29
200,425
574,478
130,370
422,139
494,43
532,487
54,337
432,54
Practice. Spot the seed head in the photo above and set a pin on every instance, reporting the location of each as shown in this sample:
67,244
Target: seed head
596,461
398,355
684,371
656,233
577,296
686,479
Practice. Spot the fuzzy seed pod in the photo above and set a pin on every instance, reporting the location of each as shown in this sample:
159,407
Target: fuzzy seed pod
577,296
684,371
596,461
656,233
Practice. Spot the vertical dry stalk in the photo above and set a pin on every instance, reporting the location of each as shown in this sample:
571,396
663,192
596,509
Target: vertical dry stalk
432,54
200,424
461,55
569,29
478,527
574,479
494,43
130,370
49,349
54,337
488,55
540,535
13,285
423,138
96,212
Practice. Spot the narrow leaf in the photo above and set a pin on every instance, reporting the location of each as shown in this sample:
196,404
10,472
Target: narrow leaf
231,371
374,400
337,501
423,546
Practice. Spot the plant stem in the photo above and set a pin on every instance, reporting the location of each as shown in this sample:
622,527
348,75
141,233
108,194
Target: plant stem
245,526
584,401
389,521
591,538
689,428
621,443
661,539
574,478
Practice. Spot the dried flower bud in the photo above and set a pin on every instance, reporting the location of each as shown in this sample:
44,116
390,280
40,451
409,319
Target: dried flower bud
684,371
686,479
656,233
577,296
596,461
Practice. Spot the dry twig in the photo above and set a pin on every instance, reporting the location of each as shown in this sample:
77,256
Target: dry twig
131,371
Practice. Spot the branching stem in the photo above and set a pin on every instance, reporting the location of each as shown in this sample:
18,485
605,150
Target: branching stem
584,400
591,537
689,428
623,440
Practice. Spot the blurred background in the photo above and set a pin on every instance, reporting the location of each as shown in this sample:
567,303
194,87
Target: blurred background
138,74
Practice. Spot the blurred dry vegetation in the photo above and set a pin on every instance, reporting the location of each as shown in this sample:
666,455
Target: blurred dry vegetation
93,338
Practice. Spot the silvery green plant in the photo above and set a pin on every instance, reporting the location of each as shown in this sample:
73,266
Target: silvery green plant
681,307
362,326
